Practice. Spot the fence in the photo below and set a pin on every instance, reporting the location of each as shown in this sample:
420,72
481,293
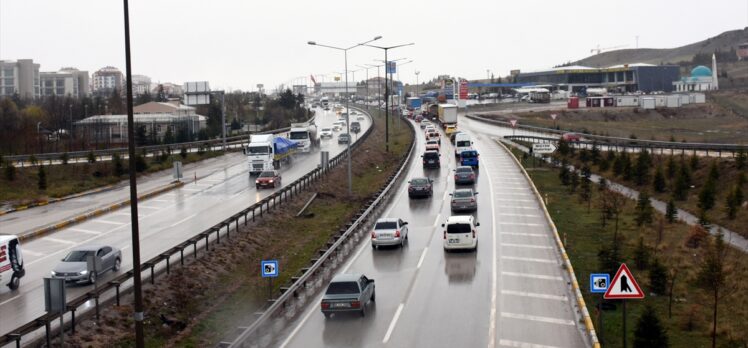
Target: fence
285,308
162,262
625,144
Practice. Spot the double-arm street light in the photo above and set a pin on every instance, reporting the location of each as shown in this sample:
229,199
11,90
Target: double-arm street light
386,92
347,100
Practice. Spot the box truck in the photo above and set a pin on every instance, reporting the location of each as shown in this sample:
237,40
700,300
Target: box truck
447,114
268,151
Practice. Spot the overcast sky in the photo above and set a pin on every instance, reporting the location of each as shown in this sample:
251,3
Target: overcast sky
236,44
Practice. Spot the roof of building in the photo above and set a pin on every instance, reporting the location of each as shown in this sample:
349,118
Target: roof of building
701,71
158,107
139,118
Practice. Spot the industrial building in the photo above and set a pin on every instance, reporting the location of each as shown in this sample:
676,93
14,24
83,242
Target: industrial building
626,78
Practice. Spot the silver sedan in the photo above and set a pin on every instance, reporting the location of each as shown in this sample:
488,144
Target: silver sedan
464,200
75,268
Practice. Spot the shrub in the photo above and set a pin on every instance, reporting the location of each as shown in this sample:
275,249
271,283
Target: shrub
64,158
119,168
10,171
33,160
659,183
140,164
183,152
42,175
91,157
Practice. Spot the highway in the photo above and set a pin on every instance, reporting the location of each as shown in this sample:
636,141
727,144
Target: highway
512,292
165,221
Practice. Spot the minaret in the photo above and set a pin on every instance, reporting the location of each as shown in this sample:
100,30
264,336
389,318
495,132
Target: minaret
715,81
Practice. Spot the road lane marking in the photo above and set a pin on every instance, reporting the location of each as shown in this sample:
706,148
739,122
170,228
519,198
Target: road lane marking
436,221
528,259
535,295
183,220
494,261
147,206
423,256
394,202
524,234
110,222
32,253
538,318
518,344
513,200
521,224
75,229
190,189
392,324
516,207
529,246
61,241
521,215
532,276
12,298
160,200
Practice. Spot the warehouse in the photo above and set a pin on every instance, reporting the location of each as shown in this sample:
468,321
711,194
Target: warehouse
626,78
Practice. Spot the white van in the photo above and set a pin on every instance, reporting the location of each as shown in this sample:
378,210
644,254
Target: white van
11,261
462,143
460,233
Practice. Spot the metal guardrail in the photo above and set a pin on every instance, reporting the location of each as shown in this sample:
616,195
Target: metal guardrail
77,155
264,330
627,143
163,260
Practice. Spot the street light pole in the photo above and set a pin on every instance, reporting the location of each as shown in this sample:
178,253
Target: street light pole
386,102
137,286
418,93
347,100
70,134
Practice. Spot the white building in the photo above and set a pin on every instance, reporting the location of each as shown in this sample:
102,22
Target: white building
106,79
19,76
141,84
701,79
67,81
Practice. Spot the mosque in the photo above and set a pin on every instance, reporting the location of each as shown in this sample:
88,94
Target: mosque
701,79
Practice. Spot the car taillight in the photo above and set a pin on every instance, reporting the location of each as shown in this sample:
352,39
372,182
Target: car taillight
473,233
410,188
472,200
445,234
397,233
457,176
355,304
325,305
424,161
373,235
472,176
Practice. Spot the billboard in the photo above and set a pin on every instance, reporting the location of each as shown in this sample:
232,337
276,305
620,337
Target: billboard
463,89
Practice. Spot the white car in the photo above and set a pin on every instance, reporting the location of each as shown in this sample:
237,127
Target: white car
389,232
460,233
338,126
360,117
325,133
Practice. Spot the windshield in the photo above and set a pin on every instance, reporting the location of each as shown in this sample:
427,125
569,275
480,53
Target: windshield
386,225
469,154
458,228
337,288
462,194
464,170
419,182
430,155
258,150
326,129
78,255
463,143
298,135
267,175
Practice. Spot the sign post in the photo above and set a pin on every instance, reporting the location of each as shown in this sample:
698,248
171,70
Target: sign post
554,116
55,302
269,269
624,287
543,148
598,285
514,124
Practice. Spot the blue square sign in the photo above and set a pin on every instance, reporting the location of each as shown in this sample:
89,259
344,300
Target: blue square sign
269,268
599,282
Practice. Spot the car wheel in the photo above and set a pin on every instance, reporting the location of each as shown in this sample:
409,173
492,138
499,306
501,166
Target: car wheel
117,265
327,315
92,278
15,282
363,310
374,296
374,247
257,187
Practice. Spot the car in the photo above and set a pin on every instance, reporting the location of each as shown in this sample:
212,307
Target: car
74,267
462,143
354,112
360,118
325,133
432,145
355,127
343,138
463,199
464,175
338,126
448,130
433,135
431,159
327,108
420,187
460,233
11,261
470,158
389,232
571,137
453,136
348,293
424,123
268,178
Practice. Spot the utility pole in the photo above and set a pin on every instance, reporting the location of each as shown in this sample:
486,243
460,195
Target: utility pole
418,92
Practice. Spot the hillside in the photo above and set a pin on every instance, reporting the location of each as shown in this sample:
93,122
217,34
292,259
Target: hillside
726,41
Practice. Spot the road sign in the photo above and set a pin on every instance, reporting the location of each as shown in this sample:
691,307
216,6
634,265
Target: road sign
513,122
463,89
599,282
177,171
54,295
553,116
391,67
269,268
623,286
543,148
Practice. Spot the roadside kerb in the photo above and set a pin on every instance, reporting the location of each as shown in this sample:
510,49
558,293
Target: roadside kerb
115,287
263,331
56,200
26,236
567,263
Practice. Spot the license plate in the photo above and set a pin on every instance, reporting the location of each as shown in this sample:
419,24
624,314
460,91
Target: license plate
385,235
431,162
342,305
453,241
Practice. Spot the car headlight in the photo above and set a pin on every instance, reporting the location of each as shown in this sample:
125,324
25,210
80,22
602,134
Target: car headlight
84,272
257,181
270,181
53,273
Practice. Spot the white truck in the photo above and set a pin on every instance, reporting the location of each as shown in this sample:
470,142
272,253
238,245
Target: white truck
305,135
11,261
267,152
447,114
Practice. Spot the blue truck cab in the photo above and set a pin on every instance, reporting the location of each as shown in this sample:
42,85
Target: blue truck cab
469,158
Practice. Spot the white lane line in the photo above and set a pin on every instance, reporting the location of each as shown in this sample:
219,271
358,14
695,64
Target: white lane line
190,189
147,206
524,234
394,202
110,222
520,215
436,221
61,241
538,318
32,253
517,207
532,276
160,200
521,224
513,200
183,220
393,323
75,229
122,213
446,193
14,297
529,246
494,261
529,259
535,295
518,344
423,256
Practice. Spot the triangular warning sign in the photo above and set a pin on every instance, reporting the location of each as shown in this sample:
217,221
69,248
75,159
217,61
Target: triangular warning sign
623,286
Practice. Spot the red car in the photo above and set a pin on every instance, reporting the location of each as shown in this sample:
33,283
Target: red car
268,178
571,137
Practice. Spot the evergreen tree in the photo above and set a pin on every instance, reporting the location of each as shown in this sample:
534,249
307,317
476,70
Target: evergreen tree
671,212
10,171
642,167
740,159
644,210
64,158
658,277
602,184
713,172
671,167
659,183
649,332
140,164
682,184
694,162
734,201
42,175
603,164
91,157
609,257
707,196
183,152
628,169
563,174
595,153
611,156
573,182
563,147
168,136
619,164
641,255
119,168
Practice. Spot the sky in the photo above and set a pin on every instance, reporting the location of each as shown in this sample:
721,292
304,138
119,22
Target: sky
237,44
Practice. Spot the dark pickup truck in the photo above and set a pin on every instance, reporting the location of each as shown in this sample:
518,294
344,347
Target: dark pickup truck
348,293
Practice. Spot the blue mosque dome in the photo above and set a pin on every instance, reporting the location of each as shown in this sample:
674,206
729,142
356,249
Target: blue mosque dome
701,71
